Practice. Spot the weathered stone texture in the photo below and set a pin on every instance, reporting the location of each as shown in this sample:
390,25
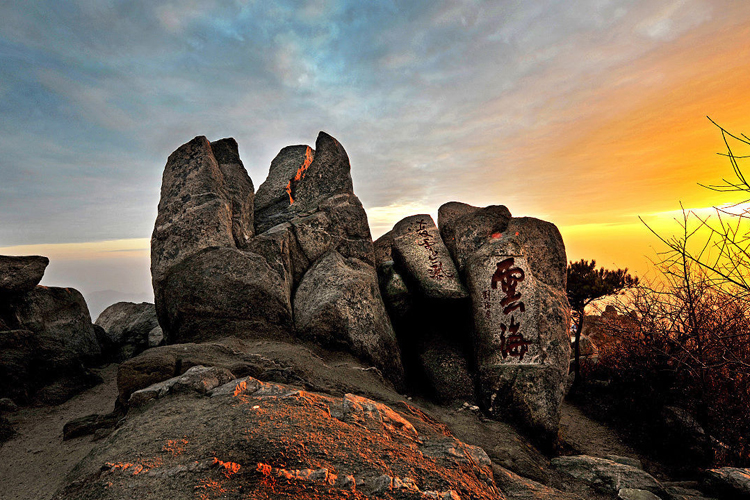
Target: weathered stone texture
419,251
338,304
21,274
127,327
222,292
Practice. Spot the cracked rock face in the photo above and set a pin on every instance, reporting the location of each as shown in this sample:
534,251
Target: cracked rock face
226,262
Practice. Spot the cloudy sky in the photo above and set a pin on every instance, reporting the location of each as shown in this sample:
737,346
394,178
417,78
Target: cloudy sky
587,113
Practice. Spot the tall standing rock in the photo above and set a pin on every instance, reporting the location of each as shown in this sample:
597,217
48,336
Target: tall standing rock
419,250
308,199
206,284
195,211
515,272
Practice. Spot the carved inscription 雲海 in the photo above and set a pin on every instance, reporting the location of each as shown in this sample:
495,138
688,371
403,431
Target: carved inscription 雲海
508,276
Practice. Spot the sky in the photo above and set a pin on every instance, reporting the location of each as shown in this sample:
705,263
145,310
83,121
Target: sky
585,113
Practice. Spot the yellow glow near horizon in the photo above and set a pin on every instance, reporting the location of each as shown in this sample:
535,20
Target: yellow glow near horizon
90,250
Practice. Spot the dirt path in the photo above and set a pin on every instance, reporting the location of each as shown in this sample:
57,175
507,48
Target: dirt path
33,464
589,437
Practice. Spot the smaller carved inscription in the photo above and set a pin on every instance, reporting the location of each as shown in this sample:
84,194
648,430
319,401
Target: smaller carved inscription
427,240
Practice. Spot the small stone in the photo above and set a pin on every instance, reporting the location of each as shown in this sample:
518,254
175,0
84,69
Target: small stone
7,405
347,482
635,494
381,484
155,337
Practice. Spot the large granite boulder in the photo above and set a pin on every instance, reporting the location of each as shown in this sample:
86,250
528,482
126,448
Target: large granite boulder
127,327
338,305
59,317
207,282
198,208
21,274
47,342
515,272
221,292
466,228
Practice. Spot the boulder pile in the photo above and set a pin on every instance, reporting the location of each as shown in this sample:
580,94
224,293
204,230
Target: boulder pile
477,301
297,261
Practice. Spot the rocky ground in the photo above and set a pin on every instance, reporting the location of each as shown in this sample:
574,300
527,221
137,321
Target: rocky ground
37,462
34,463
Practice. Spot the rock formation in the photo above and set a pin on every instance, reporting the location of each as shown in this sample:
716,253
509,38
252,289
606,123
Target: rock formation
46,335
430,308
128,329
478,300
481,304
302,267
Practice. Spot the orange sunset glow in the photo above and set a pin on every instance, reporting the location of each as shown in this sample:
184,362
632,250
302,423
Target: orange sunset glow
588,118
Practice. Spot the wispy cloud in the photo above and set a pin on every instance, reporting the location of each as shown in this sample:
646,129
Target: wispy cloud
544,106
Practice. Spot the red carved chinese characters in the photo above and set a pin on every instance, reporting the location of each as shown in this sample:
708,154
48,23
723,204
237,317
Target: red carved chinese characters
509,277
426,240
513,344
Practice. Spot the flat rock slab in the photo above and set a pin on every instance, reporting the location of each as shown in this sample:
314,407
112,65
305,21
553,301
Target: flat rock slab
419,250
21,274
606,475
200,379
